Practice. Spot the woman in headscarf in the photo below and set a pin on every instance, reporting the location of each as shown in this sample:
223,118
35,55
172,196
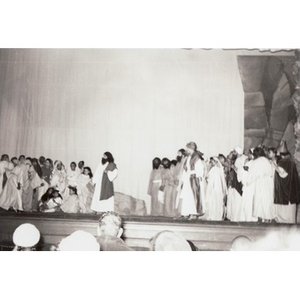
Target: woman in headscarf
216,191
85,190
106,173
59,178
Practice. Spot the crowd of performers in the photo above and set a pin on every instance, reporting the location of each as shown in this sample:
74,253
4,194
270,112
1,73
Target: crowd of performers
257,185
31,184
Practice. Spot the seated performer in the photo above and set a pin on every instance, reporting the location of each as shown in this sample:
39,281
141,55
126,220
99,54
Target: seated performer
71,204
53,204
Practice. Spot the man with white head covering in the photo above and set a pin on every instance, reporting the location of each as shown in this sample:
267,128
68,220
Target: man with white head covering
25,237
193,173
79,241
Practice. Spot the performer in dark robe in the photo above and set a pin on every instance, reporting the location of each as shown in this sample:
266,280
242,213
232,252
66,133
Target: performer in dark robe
287,190
103,199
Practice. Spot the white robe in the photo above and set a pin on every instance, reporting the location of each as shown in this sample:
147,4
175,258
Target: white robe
216,191
4,166
107,204
188,205
261,175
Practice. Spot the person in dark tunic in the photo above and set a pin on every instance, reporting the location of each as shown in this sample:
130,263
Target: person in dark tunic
287,190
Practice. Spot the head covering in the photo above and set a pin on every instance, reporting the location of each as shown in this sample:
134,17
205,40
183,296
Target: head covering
26,235
79,241
192,145
169,241
238,150
282,148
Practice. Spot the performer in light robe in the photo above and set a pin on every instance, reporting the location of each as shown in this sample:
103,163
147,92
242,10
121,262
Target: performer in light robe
11,196
72,174
192,175
216,191
106,173
59,179
29,195
167,188
235,192
248,192
155,180
5,165
71,203
178,171
85,190
287,189
261,174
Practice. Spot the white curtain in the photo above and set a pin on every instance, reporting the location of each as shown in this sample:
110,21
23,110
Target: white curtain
75,104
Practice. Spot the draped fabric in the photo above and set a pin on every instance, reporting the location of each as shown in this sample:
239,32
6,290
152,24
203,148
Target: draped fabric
75,104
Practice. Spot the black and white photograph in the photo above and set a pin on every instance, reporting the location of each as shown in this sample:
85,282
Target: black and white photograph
147,131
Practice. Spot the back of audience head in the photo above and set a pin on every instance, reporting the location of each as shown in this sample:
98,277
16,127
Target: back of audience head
241,243
26,237
79,241
110,223
169,241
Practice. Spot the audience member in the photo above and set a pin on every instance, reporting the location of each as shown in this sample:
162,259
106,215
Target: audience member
26,237
109,233
71,204
79,241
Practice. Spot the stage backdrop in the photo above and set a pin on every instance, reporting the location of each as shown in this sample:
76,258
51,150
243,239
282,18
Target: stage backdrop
74,104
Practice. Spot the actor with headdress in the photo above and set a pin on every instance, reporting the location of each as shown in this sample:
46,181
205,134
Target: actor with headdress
261,175
216,191
287,189
193,173
106,173
155,180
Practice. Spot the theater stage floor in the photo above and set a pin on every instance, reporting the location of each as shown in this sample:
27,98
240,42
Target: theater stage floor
206,235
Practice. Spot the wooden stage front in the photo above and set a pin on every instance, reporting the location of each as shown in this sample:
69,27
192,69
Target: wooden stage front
206,235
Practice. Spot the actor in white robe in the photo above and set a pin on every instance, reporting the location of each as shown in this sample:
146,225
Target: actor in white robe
261,174
59,179
4,167
216,191
103,205
12,193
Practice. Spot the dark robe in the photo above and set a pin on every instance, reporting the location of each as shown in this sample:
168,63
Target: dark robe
195,184
107,187
233,182
287,190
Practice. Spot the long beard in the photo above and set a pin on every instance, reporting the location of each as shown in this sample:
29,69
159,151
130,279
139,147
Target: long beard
104,161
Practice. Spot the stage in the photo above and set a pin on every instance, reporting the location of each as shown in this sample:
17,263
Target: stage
138,230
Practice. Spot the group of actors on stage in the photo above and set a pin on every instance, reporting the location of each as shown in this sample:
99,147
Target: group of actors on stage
257,185
31,184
